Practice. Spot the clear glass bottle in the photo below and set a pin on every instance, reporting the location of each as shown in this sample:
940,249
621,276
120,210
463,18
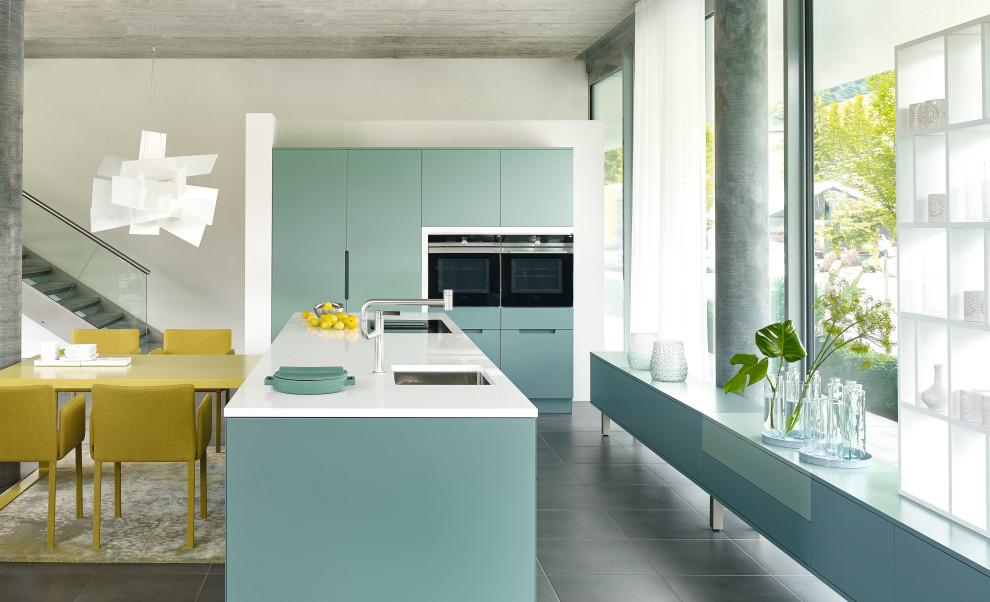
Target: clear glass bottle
792,397
854,421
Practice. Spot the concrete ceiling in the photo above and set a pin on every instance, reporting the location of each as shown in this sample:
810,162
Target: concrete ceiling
317,28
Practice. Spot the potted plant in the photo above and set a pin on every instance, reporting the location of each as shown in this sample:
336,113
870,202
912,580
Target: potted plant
848,319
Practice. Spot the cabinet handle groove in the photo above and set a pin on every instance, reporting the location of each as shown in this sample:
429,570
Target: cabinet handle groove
347,275
538,330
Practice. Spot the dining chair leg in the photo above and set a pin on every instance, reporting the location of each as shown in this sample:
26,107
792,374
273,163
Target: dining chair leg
97,469
202,486
79,511
51,505
116,489
191,505
219,411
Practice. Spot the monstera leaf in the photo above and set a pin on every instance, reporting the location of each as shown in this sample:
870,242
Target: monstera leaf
752,369
780,340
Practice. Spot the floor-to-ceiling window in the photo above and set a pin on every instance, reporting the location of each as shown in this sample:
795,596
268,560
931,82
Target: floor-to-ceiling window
606,106
855,188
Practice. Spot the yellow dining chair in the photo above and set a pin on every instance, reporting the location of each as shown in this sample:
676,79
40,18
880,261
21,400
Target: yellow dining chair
34,429
109,341
200,342
148,424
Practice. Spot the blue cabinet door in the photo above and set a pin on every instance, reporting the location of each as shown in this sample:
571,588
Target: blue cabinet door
384,240
540,362
461,187
538,187
309,188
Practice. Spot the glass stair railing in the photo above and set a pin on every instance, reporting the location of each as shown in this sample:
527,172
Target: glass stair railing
81,273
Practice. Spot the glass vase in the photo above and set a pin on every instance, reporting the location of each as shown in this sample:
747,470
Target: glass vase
641,350
668,363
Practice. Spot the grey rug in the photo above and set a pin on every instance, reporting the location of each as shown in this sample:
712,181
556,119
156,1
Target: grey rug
152,527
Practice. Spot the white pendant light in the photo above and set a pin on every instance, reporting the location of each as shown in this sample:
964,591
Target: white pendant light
151,193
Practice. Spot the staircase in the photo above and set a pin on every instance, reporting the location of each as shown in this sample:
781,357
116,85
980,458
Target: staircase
83,282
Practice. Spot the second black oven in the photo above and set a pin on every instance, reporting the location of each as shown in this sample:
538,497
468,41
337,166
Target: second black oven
468,265
537,270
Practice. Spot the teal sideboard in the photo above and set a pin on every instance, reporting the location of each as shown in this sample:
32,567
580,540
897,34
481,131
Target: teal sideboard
849,527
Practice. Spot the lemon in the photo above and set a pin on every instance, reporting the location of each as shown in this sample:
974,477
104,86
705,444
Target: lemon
338,325
325,325
314,321
327,305
307,314
341,315
351,322
330,318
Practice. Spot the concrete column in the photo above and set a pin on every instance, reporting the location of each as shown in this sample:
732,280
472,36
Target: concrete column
742,297
11,155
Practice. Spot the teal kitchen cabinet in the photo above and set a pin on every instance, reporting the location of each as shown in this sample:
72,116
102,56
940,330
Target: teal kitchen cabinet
309,189
537,187
489,341
482,325
461,187
384,240
540,362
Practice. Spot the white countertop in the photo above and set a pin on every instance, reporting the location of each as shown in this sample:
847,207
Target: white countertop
377,395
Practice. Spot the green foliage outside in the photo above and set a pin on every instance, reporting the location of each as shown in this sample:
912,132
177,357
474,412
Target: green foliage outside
854,145
879,381
613,166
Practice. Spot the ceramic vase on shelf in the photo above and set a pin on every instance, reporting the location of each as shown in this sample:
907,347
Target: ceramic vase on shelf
935,396
973,306
668,363
641,350
971,405
936,208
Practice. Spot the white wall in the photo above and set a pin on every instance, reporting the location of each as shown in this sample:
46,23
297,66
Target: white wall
77,110
587,138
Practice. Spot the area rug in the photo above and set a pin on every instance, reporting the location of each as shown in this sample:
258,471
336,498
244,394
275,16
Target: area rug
152,527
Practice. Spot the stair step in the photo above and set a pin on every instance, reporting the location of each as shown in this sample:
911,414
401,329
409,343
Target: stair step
51,288
30,271
104,319
80,303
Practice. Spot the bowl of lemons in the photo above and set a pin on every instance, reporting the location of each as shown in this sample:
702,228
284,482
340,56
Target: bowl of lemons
320,309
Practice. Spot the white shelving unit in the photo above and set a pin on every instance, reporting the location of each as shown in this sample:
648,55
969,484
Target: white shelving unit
944,460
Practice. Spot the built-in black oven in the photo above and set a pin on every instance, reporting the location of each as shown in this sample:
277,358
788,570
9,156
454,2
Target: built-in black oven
537,270
466,264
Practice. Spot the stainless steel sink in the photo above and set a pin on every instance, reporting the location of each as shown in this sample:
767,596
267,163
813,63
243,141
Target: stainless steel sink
439,375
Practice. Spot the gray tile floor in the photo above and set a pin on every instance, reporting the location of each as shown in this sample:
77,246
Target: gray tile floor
614,523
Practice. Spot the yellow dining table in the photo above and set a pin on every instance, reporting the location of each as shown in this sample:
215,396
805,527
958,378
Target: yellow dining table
204,372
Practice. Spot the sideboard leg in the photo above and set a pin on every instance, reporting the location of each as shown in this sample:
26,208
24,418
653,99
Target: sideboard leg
606,425
715,514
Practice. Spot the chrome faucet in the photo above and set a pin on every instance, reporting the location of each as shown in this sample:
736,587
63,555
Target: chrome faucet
447,302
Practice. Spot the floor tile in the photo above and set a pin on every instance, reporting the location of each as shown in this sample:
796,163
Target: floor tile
546,455
147,587
663,524
576,438
49,567
612,588
213,589
551,496
644,454
591,557
810,589
555,473
169,568
614,474
35,586
218,568
640,497
577,523
595,455
544,592
693,495
620,437
730,589
775,561
670,475
698,557
735,527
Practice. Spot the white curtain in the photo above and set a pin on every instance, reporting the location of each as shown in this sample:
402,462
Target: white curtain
668,204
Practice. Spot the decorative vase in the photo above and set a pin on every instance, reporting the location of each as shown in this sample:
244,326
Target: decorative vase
936,208
935,396
641,350
915,116
971,405
973,306
668,363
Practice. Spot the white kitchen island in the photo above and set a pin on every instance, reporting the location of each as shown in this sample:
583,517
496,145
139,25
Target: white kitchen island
381,491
